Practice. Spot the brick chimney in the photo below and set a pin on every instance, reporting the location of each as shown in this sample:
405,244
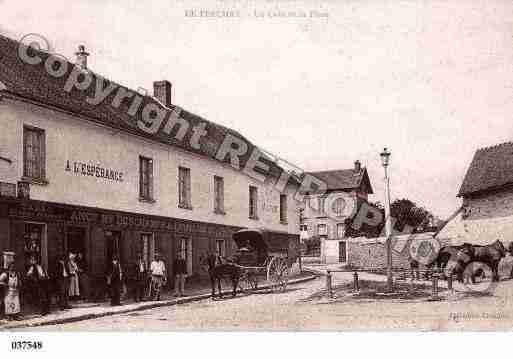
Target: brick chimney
357,166
162,92
81,55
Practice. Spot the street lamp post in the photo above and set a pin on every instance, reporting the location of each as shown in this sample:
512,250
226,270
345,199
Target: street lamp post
385,158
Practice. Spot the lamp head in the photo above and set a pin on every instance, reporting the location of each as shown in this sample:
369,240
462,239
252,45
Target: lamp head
385,157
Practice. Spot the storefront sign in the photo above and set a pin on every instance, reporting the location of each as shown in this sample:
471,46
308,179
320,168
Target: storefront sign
34,210
94,170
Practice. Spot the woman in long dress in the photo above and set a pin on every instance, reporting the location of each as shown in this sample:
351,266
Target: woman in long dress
74,286
11,281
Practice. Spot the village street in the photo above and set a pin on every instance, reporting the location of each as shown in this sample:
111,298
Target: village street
304,306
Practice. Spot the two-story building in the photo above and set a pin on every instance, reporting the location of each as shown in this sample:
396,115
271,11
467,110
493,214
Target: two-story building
486,213
326,214
90,166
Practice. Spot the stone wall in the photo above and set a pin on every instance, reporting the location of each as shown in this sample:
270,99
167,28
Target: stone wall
371,252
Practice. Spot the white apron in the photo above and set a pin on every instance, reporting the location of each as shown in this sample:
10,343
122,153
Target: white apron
12,297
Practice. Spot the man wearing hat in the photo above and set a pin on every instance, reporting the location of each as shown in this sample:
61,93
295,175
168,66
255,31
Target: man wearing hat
114,280
158,276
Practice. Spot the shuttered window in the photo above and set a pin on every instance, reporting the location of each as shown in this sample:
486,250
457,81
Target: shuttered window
253,202
34,153
218,194
283,208
145,178
184,188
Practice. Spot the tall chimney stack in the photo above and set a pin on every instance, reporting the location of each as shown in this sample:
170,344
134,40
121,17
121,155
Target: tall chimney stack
162,92
81,55
357,166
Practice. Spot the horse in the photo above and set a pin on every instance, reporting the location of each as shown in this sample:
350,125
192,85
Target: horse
218,271
490,254
456,256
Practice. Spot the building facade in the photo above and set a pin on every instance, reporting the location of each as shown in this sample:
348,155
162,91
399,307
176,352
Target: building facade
81,176
326,215
486,213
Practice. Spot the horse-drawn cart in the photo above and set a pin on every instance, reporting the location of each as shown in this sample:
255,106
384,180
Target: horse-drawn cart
262,254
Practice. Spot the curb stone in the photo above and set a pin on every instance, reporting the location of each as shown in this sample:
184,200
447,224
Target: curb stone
141,307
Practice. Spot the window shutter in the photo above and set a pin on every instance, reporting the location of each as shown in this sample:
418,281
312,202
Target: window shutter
150,179
188,183
25,154
221,195
141,170
42,147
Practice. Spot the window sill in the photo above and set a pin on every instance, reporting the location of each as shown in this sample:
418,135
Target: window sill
36,181
218,211
255,218
185,206
147,200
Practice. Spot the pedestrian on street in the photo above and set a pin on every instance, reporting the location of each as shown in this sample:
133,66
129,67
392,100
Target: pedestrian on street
180,268
83,276
114,280
74,286
140,278
39,277
11,282
61,276
158,276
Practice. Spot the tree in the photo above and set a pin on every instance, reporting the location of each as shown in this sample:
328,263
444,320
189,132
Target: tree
407,213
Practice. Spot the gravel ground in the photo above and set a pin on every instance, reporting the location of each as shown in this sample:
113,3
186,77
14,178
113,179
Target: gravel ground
305,307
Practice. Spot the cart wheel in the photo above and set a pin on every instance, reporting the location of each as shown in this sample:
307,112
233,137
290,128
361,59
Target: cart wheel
278,273
248,282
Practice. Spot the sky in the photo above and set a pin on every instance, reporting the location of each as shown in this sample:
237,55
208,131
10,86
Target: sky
430,80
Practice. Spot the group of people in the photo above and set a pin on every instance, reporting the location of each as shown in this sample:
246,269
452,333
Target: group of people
148,280
69,274
69,281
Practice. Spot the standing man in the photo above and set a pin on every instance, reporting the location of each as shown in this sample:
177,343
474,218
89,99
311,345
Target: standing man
39,278
158,276
114,280
61,275
180,268
140,278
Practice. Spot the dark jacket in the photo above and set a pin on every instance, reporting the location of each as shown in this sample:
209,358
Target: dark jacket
59,269
136,272
180,266
115,274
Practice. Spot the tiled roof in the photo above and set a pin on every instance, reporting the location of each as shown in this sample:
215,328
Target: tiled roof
32,82
345,179
490,169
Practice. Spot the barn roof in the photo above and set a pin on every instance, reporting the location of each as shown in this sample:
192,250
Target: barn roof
490,169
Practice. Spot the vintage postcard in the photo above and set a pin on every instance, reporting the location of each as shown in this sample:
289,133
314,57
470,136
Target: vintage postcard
264,165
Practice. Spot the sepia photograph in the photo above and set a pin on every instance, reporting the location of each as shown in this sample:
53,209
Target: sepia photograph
255,165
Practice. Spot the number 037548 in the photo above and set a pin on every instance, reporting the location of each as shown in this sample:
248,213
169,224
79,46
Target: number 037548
26,345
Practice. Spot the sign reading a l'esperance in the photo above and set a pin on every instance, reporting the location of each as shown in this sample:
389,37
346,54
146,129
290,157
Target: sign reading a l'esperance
94,170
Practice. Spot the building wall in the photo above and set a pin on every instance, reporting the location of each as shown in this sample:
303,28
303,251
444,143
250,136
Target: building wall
371,252
484,220
76,140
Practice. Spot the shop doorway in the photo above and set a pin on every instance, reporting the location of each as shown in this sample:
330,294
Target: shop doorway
185,248
76,240
113,241
35,244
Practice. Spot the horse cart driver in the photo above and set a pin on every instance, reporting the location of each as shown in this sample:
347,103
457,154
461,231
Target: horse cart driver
245,257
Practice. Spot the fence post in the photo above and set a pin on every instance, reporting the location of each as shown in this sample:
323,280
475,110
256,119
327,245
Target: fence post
434,293
449,281
328,284
355,280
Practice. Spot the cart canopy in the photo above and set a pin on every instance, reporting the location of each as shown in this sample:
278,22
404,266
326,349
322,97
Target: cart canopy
263,240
